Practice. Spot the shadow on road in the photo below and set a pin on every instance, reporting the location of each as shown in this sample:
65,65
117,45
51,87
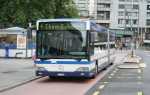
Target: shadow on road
64,79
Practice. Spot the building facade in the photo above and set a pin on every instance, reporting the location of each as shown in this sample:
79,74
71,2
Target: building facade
83,7
131,15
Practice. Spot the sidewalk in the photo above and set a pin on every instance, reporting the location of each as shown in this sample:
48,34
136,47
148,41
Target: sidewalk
120,56
14,72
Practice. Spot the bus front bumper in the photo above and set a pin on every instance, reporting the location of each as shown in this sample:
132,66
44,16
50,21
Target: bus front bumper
65,74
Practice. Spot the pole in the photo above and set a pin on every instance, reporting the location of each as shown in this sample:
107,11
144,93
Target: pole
30,30
26,44
133,36
108,44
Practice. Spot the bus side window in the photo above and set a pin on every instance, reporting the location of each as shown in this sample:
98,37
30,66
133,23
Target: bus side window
92,40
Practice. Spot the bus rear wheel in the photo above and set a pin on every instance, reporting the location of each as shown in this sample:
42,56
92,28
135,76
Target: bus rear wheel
96,68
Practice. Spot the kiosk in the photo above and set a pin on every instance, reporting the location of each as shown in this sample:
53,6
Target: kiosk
16,40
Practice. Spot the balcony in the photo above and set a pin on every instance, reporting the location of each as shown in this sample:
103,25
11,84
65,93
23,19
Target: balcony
103,9
104,1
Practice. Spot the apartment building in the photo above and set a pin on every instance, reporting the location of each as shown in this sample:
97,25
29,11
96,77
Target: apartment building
83,7
103,11
131,15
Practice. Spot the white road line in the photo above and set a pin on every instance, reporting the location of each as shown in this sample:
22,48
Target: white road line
140,93
139,71
112,74
96,93
101,86
142,65
105,82
139,77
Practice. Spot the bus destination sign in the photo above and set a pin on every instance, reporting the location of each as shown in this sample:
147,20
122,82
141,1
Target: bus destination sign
61,26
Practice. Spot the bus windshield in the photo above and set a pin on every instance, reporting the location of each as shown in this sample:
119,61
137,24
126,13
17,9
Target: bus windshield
61,40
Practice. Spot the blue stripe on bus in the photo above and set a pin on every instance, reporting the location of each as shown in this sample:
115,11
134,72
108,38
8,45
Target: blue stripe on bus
63,62
65,74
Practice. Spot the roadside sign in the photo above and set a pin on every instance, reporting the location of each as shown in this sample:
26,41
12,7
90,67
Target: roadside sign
21,41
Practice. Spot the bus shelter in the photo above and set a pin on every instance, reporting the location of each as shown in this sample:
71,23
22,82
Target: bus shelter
123,36
14,43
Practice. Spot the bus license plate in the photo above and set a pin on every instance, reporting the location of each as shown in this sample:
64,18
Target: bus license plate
60,74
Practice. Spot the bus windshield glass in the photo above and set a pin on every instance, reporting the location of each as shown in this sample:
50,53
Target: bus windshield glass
61,40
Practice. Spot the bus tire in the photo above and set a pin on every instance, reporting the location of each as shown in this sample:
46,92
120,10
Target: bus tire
96,70
111,63
96,67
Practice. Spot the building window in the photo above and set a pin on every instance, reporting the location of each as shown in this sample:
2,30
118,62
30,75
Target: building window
121,13
103,15
135,21
135,6
121,6
121,0
120,21
128,21
148,7
135,14
135,1
148,22
128,6
100,5
148,14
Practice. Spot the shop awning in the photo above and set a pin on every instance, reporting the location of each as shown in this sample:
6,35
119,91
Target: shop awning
13,30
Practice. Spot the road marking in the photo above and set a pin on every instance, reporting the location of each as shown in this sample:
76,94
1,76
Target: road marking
112,74
116,69
139,71
105,82
101,86
140,93
139,77
96,93
109,77
142,65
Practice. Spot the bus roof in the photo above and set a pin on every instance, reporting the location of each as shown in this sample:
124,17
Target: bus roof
96,27
64,20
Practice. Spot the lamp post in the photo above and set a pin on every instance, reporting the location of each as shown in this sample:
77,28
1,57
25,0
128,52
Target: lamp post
108,45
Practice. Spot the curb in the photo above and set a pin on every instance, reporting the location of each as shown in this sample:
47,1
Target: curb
19,84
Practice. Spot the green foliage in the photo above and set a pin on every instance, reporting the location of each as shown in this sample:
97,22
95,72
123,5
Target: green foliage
21,12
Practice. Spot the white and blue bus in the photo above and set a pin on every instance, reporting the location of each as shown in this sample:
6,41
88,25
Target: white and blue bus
72,48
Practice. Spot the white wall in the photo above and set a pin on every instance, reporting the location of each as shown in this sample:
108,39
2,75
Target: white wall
20,53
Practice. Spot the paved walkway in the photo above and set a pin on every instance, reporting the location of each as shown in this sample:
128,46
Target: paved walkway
14,72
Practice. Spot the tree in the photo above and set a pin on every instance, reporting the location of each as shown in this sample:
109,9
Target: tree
21,12
65,8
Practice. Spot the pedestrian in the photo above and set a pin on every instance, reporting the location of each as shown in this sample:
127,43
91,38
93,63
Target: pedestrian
120,45
6,50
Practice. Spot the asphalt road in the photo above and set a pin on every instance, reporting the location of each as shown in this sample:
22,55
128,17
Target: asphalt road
125,81
63,86
146,72
46,86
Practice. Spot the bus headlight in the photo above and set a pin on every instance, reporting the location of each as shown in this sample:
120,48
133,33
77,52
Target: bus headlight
83,69
41,69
